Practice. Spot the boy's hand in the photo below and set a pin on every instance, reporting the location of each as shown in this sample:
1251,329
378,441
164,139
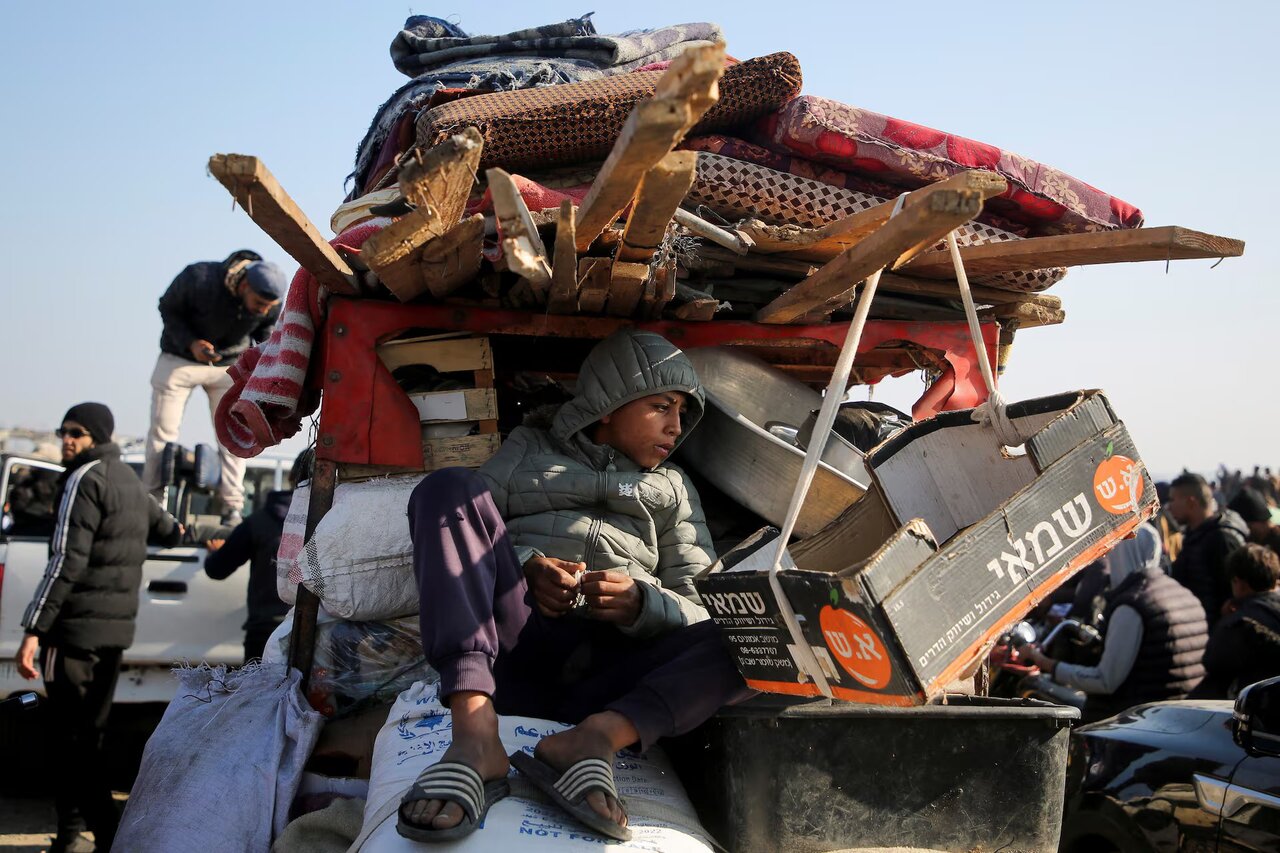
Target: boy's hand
612,596
554,583
26,657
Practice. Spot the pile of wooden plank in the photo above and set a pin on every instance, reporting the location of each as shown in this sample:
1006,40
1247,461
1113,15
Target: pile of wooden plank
631,250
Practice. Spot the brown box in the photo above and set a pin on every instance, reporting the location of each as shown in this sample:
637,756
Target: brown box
887,614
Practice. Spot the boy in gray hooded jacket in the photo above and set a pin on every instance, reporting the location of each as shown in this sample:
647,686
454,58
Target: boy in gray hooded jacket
556,582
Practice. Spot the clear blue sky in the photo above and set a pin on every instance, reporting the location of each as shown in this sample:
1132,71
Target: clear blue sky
114,108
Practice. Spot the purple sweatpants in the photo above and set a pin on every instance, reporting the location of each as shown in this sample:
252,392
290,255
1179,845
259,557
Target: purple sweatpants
482,631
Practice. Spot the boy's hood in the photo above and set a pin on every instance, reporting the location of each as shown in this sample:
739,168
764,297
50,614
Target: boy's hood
623,367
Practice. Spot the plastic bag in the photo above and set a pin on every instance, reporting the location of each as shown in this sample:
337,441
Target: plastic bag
357,664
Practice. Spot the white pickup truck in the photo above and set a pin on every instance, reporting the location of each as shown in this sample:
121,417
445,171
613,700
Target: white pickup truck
183,615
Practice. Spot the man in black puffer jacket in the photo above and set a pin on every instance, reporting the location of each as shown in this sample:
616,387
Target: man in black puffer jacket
1208,539
82,615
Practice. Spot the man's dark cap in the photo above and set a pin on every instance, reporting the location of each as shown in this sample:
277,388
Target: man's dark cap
95,417
266,279
1251,506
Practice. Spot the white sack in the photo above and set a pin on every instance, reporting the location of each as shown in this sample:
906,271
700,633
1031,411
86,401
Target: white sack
419,730
359,561
221,770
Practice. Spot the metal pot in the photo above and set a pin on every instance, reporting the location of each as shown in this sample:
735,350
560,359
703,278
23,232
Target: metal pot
733,449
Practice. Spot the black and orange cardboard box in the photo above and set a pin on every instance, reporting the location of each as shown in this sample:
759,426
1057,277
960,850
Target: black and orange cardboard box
891,616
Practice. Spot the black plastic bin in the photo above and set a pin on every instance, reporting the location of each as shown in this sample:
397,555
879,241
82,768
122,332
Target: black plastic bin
975,774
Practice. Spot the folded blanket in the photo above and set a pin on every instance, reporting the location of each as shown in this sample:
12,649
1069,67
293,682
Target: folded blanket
439,55
266,402
910,155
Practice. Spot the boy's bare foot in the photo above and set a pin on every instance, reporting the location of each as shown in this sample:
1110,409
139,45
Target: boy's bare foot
598,736
475,744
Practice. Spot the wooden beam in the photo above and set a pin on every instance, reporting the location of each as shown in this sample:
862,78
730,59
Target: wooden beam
832,286
452,259
256,190
626,287
439,185
694,76
652,130
522,247
1169,243
593,284
823,244
664,289
943,289
661,190
563,298
686,90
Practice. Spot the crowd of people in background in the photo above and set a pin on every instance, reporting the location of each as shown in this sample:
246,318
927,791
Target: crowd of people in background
1189,605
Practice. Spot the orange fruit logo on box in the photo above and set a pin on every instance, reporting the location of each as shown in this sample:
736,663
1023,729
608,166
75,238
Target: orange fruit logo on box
855,646
1117,484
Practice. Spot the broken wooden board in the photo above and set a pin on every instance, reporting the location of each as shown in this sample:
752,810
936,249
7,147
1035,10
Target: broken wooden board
654,127
433,179
593,284
626,287
563,298
825,243
1027,313
450,260
663,282
522,247
661,190
694,76
256,190
443,179
832,286
1168,243
698,310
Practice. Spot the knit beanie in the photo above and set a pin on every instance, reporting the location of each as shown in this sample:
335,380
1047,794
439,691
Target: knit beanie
1250,505
266,279
95,417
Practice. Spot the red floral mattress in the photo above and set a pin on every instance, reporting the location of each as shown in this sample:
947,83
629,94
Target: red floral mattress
910,155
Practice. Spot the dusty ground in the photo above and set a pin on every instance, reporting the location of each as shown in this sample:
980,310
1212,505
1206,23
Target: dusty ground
27,824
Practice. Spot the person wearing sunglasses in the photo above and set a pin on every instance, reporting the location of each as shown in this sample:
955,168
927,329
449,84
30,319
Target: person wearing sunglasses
82,614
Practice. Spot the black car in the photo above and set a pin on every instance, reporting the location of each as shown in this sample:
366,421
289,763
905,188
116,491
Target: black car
1191,775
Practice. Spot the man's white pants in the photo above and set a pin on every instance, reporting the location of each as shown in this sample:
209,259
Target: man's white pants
171,385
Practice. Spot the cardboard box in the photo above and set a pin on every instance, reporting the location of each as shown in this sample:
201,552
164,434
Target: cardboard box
891,616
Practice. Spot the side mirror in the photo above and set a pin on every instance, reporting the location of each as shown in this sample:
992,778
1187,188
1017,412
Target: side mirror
1256,723
208,467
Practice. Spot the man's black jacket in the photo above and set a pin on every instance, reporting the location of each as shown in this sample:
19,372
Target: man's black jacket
256,540
1201,564
88,598
201,305
1244,647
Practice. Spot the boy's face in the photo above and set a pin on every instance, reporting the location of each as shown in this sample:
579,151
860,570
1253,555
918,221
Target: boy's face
645,430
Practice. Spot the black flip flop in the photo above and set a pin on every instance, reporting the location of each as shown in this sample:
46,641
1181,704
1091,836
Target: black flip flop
569,790
454,783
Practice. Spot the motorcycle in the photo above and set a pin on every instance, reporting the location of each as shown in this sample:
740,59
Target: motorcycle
1014,676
